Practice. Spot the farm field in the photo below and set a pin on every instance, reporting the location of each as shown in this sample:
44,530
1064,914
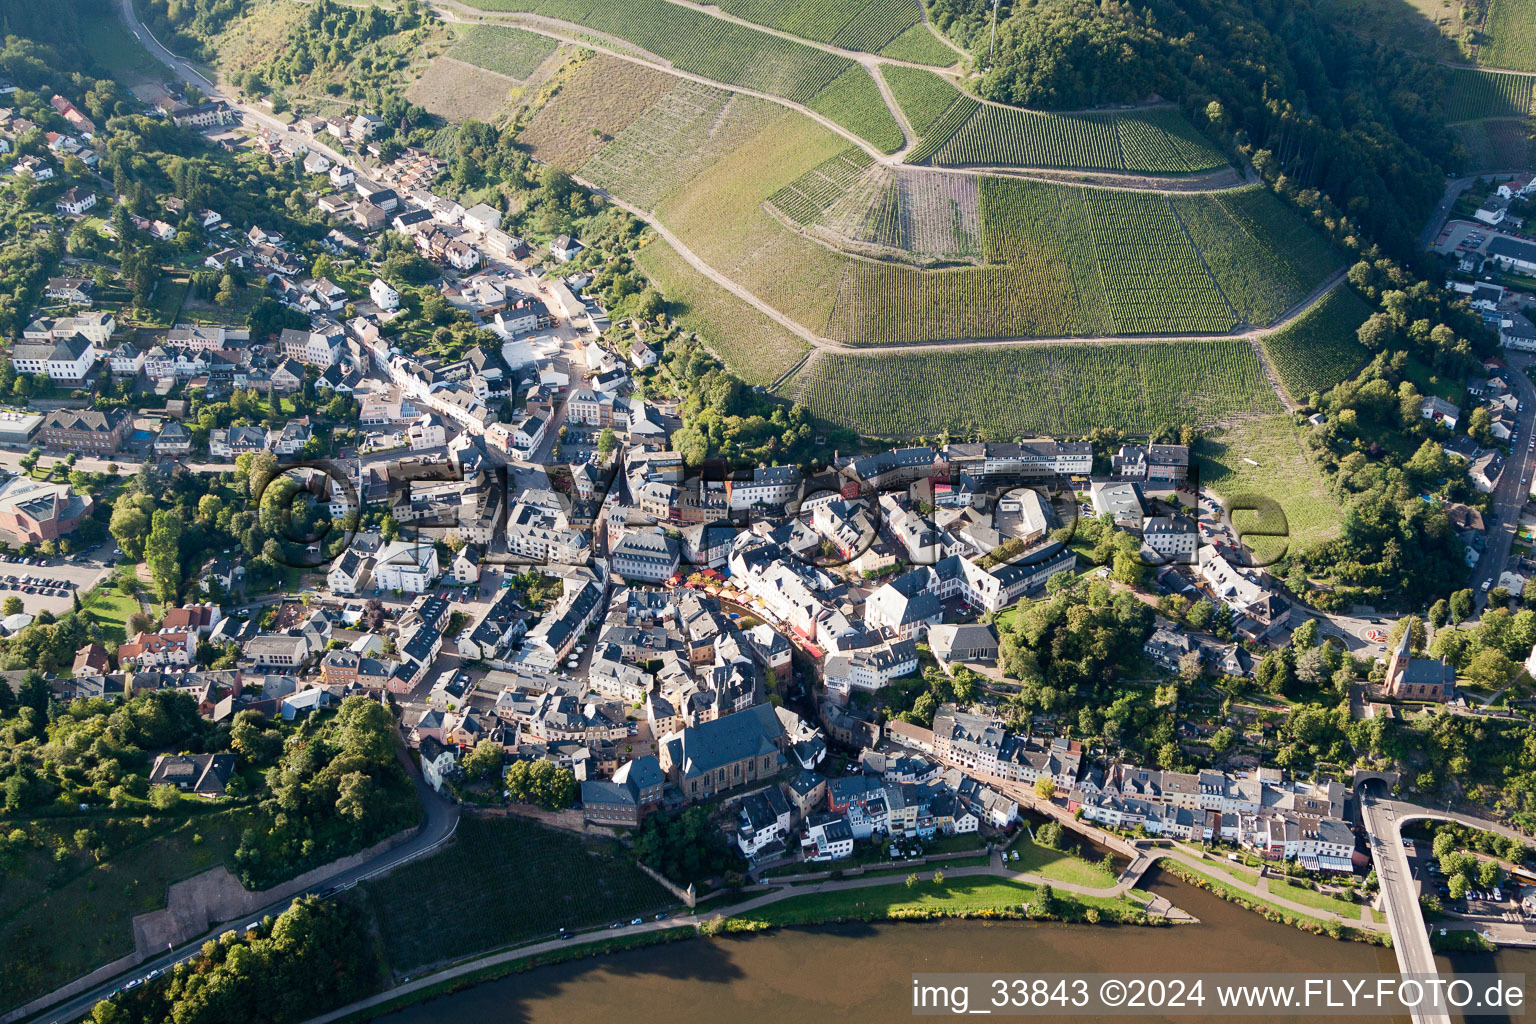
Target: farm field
1058,388
699,43
1477,94
688,127
1279,470
757,349
1156,141
1498,144
1509,35
521,874
1264,257
600,97
1318,350
853,100
502,49
456,91
922,95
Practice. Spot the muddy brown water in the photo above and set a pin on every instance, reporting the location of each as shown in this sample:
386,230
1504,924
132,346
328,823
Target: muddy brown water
843,974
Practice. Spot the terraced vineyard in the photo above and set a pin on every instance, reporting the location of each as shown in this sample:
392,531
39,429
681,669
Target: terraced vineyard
884,304
1498,144
1157,141
866,25
919,45
1133,270
602,97
922,95
892,27
699,43
818,19
793,216
1261,260
853,100
941,128
1478,94
1007,136
1304,255
1319,349
1064,389
877,23
1509,35
687,128
905,212
1151,274
504,50
808,198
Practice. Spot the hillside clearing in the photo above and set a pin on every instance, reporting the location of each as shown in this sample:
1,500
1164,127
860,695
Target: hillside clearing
1281,471
757,349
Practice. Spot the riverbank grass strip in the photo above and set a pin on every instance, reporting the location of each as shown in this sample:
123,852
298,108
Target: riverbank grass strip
960,897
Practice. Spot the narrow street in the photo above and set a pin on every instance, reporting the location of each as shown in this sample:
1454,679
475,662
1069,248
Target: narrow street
1514,486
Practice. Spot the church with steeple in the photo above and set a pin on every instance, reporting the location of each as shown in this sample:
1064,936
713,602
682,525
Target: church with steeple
1410,678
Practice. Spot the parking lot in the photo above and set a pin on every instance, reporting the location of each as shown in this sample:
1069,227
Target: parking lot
579,446
51,587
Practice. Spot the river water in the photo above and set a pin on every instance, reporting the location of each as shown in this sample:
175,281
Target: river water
848,974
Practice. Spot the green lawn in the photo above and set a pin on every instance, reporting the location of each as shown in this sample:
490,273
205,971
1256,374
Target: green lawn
1428,382
508,880
110,608
62,916
200,311
956,896
1058,865
1311,898
165,303
1241,874
107,40
1264,457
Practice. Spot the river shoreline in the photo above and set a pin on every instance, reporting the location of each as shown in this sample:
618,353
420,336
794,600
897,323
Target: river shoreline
1068,909
1270,912
862,971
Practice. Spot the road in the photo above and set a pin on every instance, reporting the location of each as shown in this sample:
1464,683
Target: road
994,868
1453,190
1513,489
1400,896
189,73
441,819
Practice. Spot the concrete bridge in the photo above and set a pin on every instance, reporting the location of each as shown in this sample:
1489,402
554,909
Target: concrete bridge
1383,819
